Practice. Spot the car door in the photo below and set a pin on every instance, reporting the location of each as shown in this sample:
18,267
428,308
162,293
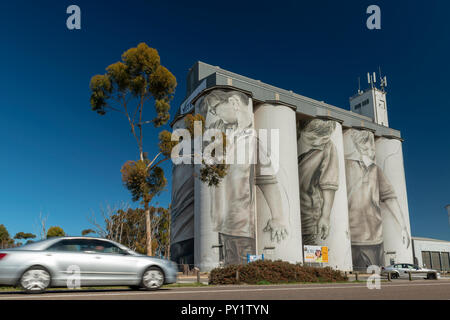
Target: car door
405,269
112,265
69,260
400,270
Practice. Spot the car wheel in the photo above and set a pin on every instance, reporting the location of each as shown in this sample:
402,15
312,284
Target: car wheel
35,280
394,275
153,278
431,276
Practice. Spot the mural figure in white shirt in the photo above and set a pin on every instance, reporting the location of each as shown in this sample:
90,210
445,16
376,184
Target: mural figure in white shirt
233,200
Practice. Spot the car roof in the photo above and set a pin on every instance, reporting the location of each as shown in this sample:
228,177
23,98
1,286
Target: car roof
44,244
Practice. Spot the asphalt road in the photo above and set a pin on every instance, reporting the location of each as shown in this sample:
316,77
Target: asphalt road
396,290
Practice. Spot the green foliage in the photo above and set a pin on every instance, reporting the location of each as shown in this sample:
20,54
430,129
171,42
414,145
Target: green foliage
87,231
165,143
55,232
213,174
209,174
128,228
24,236
4,234
162,231
134,177
5,239
189,121
101,90
139,75
142,183
273,272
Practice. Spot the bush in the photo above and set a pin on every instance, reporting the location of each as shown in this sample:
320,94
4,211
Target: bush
273,272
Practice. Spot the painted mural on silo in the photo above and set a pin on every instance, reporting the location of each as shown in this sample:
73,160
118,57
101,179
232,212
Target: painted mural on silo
182,210
367,189
396,227
323,194
225,214
277,200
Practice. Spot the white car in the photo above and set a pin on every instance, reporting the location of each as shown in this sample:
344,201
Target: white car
402,270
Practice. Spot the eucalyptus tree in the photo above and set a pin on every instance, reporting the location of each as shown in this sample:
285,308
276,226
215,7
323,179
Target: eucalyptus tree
131,87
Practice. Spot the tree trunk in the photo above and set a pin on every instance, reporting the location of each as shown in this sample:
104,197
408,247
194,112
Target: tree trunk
148,230
168,231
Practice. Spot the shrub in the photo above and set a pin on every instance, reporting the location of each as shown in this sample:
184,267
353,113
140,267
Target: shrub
273,272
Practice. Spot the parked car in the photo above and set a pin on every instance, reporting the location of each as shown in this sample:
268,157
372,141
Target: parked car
402,270
100,262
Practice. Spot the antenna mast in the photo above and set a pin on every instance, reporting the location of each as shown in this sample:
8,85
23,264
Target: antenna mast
383,81
371,79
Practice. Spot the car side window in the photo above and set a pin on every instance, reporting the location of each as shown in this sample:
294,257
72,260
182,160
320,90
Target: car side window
397,266
79,245
86,245
100,246
111,248
65,246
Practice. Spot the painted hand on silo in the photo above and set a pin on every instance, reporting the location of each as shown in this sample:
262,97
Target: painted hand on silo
406,238
324,227
277,230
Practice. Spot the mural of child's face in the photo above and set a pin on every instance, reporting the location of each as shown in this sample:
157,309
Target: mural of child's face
365,145
227,111
318,132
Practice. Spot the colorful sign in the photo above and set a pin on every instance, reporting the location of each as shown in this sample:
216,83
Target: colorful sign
252,257
316,254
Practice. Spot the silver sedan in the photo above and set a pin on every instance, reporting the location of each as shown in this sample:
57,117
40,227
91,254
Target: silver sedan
402,270
81,261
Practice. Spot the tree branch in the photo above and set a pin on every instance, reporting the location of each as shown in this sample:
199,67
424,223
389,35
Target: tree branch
140,126
149,165
131,122
156,164
114,109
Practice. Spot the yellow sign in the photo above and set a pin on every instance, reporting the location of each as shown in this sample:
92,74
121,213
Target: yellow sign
316,254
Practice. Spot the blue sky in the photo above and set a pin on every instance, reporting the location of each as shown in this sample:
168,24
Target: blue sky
59,157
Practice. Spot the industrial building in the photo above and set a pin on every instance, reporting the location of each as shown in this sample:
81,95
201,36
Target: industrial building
333,178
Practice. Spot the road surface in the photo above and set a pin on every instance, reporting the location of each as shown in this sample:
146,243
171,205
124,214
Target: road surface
395,290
